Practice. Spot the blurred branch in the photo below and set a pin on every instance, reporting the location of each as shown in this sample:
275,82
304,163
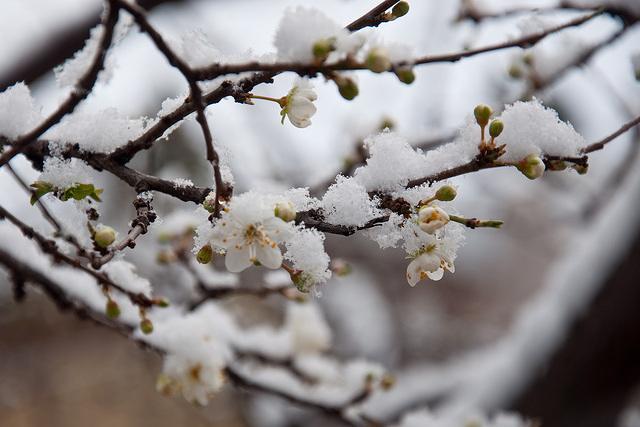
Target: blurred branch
81,90
215,70
50,248
58,47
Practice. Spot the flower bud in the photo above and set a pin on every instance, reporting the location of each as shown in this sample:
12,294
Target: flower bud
515,72
400,9
581,169
104,236
378,60
557,165
112,310
161,302
146,326
347,87
321,49
483,113
405,75
340,267
205,254
432,218
495,128
446,193
387,382
532,166
285,211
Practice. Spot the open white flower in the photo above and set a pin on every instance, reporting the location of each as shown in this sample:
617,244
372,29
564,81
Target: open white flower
197,381
432,218
249,242
298,104
430,263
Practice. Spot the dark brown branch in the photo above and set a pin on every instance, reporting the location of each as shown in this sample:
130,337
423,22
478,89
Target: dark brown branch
373,18
215,70
50,248
600,144
78,94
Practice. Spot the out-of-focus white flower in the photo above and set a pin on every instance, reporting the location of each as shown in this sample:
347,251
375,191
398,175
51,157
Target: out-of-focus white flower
309,331
197,381
432,218
430,263
298,104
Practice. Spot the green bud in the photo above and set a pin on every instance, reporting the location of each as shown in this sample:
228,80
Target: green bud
495,128
532,166
446,193
347,87
557,165
104,236
515,72
112,309
205,254
483,113
162,302
285,211
406,75
321,49
400,9
581,169
378,60
146,326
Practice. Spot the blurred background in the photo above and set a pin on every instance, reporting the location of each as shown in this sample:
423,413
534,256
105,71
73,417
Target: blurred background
540,317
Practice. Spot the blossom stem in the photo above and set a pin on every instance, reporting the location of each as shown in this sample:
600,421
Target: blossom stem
266,98
475,223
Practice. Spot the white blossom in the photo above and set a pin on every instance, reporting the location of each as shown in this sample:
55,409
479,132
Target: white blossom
249,232
430,263
432,218
298,106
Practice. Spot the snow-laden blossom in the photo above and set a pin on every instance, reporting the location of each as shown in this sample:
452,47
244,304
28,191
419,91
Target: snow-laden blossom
197,381
298,104
429,263
249,233
432,218
532,166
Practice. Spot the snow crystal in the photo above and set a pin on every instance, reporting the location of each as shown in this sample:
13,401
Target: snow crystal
97,131
18,111
347,203
123,273
426,418
305,249
531,128
392,162
64,173
182,182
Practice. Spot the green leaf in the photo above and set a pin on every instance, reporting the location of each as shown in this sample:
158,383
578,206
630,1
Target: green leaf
79,191
40,188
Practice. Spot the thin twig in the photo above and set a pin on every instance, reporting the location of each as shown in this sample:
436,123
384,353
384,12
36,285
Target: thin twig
82,89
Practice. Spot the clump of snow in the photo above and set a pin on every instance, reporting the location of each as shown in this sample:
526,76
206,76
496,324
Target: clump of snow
392,162
123,273
347,203
426,418
308,328
305,250
97,131
182,182
301,199
302,27
532,128
63,173
18,111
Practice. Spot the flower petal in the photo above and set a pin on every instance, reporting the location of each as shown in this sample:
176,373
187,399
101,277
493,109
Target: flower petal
269,256
436,275
237,260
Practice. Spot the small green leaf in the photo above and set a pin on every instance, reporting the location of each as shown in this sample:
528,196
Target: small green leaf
40,188
79,191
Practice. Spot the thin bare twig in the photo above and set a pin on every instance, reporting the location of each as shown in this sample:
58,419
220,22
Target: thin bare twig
78,94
